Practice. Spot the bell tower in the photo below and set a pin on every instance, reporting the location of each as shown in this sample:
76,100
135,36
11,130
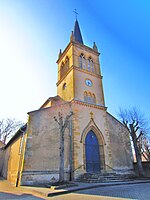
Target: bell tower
79,75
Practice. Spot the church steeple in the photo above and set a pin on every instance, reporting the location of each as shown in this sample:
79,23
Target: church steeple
79,75
77,33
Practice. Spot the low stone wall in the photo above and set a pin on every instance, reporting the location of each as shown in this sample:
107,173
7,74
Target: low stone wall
39,178
146,168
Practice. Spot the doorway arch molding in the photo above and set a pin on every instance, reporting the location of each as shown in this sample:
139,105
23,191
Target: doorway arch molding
93,127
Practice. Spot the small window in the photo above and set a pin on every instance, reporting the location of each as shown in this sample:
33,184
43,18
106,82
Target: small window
64,86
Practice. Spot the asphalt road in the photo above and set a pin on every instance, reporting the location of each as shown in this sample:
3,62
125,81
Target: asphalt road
131,191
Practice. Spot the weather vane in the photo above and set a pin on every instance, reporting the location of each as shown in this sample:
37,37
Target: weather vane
75,11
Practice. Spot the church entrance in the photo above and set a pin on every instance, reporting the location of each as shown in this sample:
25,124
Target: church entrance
92,152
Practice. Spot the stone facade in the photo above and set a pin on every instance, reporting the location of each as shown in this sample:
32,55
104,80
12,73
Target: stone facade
41,164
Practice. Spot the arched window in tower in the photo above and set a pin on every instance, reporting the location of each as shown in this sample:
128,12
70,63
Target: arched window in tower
67,63
62,68
82,62
91,65
89,97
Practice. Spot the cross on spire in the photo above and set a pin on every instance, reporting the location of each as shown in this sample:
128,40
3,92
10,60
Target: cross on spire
76,13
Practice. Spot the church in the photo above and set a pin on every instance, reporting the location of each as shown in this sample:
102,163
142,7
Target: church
94,140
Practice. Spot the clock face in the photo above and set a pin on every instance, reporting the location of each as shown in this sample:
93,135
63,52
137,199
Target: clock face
88,82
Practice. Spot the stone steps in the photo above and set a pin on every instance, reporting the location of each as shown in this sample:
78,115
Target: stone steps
105,177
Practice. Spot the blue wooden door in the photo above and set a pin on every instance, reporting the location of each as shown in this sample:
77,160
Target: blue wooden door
92,153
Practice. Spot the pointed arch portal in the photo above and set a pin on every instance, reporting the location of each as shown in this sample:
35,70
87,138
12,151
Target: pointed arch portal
92,152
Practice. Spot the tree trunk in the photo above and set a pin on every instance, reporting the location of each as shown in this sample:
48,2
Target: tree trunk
61,166
138,157
62,127
71,152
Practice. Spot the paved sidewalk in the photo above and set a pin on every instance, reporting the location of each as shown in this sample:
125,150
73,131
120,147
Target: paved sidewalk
6,189
5,186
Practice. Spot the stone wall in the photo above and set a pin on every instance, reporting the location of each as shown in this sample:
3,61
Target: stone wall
41,160
122,158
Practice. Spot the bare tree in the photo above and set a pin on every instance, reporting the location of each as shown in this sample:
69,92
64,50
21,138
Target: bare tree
62,127
8,128
147,149
144,146
137,125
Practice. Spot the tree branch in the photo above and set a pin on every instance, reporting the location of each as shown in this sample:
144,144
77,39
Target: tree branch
135,124
56,120
137,128
139,135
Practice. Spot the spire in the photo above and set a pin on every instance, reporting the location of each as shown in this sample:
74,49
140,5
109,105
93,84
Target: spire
60,52
95,47
72,36
77,33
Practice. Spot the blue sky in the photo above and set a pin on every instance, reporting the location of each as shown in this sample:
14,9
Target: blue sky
33,31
